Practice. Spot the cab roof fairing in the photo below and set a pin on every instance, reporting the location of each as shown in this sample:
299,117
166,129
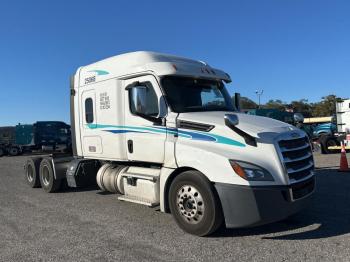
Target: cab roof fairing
184,69
139,62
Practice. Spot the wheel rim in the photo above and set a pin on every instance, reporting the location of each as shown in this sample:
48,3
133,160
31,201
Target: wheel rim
331,143
14,151
30,173
46,176
190,204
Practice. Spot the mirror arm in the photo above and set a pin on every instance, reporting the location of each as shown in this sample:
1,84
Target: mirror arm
250,140
128,87
237,98
155,120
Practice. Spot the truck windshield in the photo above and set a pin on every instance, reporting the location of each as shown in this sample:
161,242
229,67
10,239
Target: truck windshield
185,94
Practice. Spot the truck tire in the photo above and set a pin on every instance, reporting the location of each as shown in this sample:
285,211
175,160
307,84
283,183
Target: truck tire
326,141
14,151
32,172
47,179
194,204
2,151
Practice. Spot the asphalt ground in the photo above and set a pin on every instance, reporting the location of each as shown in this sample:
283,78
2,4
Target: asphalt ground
87,225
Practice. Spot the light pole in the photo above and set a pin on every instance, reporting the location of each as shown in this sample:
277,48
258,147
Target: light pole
259,94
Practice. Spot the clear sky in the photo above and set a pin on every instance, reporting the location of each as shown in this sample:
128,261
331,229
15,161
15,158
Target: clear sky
291,49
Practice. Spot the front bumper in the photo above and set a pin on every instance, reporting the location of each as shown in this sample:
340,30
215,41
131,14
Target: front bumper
245,206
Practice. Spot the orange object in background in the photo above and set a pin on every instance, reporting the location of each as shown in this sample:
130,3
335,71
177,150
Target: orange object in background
343,167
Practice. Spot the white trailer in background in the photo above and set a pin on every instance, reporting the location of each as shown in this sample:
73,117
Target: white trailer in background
162,130
343,116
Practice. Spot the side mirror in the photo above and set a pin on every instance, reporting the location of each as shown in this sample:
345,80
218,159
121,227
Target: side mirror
138,99
231,120
298,118
238,101
140,106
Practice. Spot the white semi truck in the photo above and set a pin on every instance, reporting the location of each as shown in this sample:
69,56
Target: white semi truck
162,130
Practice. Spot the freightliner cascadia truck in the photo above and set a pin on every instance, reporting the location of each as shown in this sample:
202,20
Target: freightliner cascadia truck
158,129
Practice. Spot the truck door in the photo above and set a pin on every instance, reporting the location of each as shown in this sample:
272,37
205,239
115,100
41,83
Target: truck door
145,138
91,142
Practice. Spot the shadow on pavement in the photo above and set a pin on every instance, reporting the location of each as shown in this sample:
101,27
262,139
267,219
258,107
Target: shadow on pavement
327,216
66,189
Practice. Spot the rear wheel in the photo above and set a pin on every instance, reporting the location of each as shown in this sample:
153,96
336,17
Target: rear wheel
47,178
327,141
194,205
32,172
14,151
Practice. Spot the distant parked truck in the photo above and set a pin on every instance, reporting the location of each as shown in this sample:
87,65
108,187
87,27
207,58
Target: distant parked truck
339,128
283,116
40,136
343,116
324,129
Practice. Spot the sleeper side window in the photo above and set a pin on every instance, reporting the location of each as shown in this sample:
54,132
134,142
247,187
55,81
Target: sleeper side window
89,110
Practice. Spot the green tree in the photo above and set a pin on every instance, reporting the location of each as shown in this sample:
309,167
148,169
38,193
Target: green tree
302,106
326,107
275,104
247,103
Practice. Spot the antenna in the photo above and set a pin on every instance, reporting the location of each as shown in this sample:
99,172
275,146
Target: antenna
259,94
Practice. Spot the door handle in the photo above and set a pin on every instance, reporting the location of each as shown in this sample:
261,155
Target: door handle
130,146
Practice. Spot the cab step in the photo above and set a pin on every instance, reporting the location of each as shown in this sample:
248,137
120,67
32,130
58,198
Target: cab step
138,200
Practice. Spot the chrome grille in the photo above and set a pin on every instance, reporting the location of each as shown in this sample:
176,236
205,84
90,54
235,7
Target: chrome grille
297,157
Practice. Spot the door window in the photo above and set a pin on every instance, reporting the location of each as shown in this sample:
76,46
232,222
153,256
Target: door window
89,110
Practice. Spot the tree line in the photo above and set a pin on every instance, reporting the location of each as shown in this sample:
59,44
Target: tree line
325,107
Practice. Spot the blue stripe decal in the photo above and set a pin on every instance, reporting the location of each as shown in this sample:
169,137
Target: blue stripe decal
122,131
199,136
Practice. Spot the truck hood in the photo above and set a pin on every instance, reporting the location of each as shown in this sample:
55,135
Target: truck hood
253,125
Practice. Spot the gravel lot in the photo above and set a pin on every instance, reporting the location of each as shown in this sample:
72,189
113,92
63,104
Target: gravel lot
86,225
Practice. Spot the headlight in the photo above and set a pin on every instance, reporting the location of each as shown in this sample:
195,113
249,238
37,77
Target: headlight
250,172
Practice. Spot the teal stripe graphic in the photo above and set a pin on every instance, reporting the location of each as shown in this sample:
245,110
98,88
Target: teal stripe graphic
99,72
227,141
202,136
150,129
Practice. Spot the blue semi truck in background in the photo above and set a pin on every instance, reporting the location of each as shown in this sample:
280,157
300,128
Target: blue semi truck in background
42,136
324,129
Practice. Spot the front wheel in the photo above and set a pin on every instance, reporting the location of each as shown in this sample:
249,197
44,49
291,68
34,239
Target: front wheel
194,205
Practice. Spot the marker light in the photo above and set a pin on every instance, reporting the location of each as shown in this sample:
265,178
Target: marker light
238,169
250,172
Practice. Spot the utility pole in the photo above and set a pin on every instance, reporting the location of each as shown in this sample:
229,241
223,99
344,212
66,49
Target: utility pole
259,94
